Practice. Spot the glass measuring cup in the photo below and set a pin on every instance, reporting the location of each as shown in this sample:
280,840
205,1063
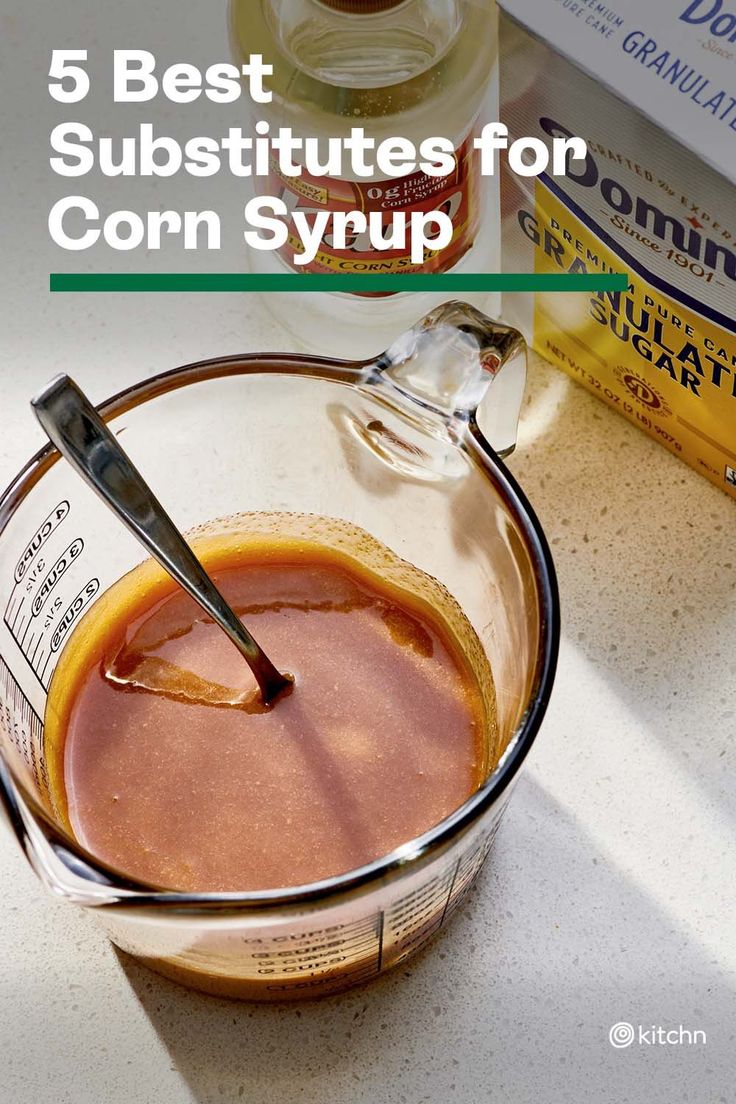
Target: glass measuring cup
398,446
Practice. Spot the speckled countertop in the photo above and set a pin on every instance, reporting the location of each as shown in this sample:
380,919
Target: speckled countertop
609,894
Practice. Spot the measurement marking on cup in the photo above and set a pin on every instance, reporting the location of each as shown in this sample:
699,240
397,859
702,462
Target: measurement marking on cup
35,651
38,614
39,538
28,570
23,727
45,589
71,614
30,664
348,950
38,648
16,616
449,892
55,574
381,922
364,944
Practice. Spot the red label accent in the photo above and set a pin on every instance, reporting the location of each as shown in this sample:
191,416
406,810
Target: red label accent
456,195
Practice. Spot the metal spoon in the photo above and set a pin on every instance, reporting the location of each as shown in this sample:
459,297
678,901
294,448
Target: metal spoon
81,436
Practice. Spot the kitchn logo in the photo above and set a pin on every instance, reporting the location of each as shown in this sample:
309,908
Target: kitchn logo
710,14
623,1034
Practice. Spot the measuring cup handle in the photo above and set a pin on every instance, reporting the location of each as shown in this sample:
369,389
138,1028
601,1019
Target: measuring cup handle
465,366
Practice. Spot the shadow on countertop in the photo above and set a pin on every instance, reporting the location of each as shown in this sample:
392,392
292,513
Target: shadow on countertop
513,1002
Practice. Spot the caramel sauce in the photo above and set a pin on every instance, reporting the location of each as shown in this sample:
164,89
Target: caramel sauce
165,765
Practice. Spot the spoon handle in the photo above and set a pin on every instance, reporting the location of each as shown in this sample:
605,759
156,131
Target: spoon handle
79,433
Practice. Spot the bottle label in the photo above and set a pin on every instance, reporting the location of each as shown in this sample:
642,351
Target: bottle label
456,195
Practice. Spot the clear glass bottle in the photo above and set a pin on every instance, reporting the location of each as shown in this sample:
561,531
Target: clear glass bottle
410,68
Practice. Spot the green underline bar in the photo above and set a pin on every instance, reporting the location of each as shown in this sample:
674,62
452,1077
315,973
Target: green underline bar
317,282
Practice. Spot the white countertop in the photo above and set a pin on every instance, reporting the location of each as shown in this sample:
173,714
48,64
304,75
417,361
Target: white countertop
609,894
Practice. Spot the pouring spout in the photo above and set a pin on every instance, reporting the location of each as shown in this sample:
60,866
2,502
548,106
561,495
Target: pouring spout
459,364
